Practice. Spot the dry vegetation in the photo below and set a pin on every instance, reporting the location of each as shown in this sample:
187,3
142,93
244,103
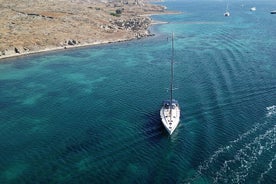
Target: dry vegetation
30,26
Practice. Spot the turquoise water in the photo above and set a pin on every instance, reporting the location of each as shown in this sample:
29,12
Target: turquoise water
91,115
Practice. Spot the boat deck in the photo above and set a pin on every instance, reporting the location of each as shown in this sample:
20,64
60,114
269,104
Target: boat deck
170,117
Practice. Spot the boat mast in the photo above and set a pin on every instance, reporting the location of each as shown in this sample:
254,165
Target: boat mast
227,5
172,60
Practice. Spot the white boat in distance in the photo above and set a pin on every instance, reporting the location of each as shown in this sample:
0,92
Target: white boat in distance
253,9
273,12
227,14
170,111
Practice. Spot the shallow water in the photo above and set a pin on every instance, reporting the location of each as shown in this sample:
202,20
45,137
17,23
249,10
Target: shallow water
91,115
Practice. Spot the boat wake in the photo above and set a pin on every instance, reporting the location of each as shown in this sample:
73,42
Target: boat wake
267,170
271,111
237,161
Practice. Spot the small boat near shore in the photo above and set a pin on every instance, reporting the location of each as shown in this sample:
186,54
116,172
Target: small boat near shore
273,12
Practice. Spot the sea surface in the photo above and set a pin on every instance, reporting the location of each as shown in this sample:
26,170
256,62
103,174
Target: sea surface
91,115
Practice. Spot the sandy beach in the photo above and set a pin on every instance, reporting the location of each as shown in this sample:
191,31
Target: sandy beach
42,27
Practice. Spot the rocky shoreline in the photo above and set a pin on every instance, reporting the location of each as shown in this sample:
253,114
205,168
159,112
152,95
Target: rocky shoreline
39,26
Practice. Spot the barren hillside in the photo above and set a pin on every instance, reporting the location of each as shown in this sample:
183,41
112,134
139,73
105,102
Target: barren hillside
29,26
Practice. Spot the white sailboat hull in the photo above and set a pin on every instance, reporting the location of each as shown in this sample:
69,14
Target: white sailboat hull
227,14
170,117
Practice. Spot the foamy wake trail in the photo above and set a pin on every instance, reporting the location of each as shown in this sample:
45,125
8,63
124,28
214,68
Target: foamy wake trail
237,169
246,153
267,170
231,145
271,111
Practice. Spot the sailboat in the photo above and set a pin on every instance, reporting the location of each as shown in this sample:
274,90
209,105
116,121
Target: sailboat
253,9
227,13
170,111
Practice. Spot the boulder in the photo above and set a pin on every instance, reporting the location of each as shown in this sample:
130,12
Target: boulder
71,42
9,51
16,50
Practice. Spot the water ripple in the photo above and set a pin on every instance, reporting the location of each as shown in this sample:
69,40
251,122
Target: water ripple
234,162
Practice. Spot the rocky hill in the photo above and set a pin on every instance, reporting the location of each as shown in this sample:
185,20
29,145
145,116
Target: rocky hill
36,25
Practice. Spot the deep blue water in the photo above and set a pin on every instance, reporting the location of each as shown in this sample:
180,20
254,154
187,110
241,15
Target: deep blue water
91,115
